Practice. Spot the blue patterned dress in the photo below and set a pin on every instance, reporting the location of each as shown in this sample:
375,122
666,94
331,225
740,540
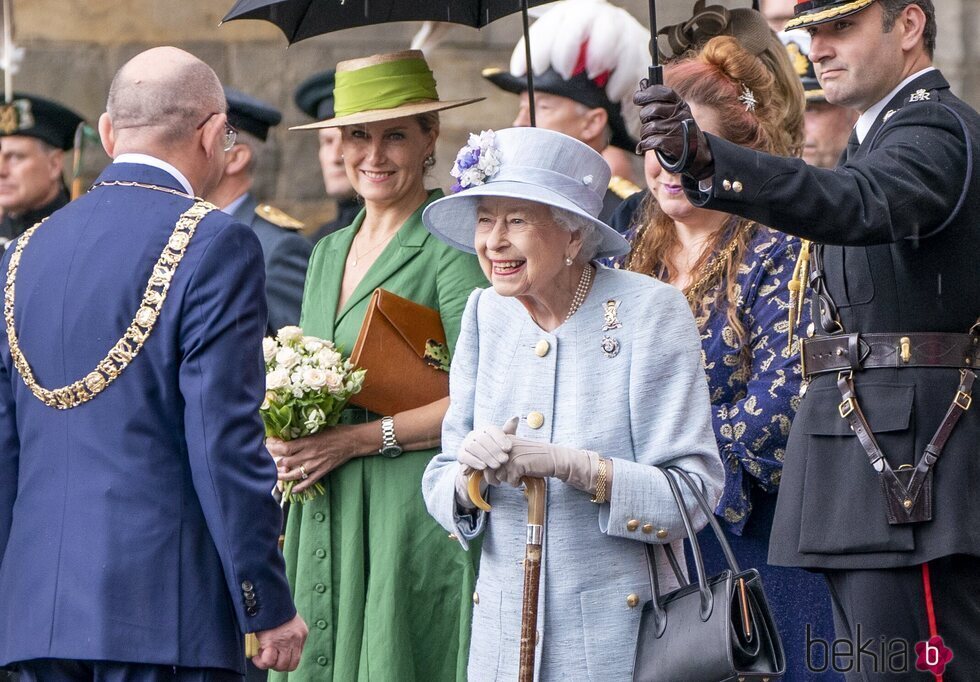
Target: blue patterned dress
754,396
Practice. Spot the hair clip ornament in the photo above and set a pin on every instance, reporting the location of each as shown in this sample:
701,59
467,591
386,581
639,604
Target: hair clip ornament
747,98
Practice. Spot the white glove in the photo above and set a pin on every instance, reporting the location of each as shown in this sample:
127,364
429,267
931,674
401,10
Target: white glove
578,468
485,450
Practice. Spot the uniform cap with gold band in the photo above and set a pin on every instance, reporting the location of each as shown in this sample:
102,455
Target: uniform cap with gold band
33,116
382,87
798,47
813,12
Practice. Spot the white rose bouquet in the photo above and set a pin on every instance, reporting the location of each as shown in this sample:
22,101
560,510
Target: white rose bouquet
307,385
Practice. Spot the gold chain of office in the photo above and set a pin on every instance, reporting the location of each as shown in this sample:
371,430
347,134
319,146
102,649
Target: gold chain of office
128,347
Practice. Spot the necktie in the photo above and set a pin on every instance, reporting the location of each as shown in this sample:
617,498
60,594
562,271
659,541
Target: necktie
852,146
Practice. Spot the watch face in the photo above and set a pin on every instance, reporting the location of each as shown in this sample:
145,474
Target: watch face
391,451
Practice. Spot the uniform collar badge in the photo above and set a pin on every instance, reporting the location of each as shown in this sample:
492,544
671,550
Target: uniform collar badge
920,95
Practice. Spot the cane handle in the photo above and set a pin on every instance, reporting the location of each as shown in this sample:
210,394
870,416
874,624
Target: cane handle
473,488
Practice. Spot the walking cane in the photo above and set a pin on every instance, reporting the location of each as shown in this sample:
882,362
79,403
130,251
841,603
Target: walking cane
534,490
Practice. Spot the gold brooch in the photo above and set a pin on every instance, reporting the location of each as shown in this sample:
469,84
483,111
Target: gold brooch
610,321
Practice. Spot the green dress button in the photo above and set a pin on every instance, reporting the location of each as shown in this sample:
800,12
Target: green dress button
320,587
320,553
319,516
321,660
322,624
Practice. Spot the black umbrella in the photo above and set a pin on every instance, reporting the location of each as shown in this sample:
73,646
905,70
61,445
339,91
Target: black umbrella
301,19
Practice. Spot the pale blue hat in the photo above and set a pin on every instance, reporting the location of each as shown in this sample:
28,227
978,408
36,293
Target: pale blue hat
533,164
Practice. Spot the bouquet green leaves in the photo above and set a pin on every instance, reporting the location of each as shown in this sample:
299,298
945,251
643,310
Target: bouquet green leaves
308,383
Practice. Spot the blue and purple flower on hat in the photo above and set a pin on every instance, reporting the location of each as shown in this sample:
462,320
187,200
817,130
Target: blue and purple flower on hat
477,162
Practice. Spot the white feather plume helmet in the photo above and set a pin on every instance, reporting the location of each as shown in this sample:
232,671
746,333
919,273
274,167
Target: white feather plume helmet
604,40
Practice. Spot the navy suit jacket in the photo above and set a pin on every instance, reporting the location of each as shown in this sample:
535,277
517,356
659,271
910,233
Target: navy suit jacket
130,525
287,254
901,221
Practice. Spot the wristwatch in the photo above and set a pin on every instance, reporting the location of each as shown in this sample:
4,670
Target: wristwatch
389,445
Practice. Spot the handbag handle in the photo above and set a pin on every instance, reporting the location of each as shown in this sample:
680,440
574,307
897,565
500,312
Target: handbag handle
712,519
660,615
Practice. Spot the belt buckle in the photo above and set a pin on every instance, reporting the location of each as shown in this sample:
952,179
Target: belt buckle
847,407
963,400
803,357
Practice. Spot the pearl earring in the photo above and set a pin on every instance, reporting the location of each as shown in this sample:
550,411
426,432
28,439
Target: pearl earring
568,260
430,161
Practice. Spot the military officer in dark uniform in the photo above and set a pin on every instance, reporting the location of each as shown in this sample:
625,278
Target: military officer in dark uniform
286,252
35,133
879,489
584,81
314,97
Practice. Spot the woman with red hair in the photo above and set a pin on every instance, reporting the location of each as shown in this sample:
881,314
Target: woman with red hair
735,275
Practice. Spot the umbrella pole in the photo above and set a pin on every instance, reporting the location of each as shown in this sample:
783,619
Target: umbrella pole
527,58
535,491
655,74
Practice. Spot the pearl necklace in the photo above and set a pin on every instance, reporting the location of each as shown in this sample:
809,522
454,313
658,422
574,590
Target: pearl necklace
581,291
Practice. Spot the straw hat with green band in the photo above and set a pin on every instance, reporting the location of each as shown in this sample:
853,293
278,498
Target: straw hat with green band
812,12
383,87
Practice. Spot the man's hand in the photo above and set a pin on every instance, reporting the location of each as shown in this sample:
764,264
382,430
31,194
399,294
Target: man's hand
280,647
662,117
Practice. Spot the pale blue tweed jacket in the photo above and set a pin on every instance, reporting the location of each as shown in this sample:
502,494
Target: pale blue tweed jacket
646,407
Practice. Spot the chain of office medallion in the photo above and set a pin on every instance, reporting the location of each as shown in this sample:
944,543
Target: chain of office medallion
128,347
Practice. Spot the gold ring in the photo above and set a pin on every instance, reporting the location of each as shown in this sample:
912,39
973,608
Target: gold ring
302,472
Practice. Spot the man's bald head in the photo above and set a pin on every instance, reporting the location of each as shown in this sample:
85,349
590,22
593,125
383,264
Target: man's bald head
161,95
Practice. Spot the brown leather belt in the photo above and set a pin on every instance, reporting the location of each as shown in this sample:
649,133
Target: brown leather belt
875,351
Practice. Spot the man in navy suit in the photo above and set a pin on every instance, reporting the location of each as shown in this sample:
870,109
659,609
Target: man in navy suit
879,485
138,536
285,250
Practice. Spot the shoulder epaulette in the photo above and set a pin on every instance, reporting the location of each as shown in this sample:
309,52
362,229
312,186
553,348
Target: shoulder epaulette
278,218
622,187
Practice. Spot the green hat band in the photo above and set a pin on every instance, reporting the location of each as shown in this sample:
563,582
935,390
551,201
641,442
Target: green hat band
383,86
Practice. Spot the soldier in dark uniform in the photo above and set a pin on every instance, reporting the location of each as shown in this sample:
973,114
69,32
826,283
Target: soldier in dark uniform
879,484
591,100
827,125
314,97
35,133
286,252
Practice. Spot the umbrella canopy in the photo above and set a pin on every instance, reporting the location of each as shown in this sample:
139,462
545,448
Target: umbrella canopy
301,19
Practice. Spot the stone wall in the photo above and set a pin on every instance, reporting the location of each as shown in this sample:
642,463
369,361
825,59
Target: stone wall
73,47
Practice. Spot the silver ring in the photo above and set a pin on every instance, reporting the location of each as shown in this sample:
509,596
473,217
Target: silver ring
302,472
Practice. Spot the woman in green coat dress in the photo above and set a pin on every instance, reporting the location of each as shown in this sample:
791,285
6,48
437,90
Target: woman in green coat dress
385,594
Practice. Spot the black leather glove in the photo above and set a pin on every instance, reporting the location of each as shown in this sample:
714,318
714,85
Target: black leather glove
667,126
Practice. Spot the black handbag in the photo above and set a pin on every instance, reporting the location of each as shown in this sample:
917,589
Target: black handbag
715,630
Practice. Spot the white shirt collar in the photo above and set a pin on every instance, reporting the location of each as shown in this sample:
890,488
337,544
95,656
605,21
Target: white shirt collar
234,205
868,118
147,160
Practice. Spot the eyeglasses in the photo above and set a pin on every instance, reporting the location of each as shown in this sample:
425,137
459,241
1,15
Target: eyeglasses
231,135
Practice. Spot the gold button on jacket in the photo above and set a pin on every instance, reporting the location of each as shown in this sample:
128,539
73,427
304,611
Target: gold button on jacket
632,525
632,600
535,420
541,348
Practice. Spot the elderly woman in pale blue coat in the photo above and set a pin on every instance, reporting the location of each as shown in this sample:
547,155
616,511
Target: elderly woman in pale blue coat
603,369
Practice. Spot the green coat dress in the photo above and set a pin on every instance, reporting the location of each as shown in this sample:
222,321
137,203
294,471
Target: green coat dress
385,593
